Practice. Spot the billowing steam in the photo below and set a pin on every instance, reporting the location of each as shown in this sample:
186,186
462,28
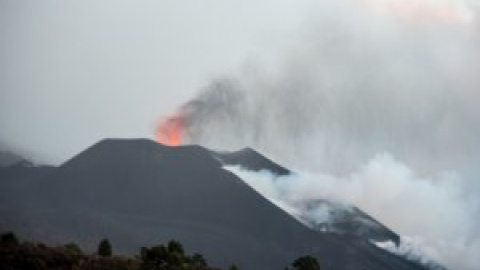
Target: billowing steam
379,103
432,212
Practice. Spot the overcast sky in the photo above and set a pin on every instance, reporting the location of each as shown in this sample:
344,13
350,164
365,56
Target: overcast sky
74,72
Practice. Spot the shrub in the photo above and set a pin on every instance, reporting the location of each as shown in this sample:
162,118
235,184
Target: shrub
104,248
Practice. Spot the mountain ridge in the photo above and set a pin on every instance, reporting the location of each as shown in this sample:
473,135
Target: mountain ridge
136,192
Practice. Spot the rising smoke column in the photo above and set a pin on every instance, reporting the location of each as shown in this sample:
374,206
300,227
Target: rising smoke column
360,79
377,104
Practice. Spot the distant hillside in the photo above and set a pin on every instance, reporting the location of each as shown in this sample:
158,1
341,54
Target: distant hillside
8,158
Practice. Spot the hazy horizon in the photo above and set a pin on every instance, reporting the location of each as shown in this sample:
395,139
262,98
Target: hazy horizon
74,72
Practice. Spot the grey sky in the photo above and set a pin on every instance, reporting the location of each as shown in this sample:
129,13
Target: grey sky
73,72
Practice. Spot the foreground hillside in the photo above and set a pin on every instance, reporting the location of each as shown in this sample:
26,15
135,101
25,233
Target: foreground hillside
139,193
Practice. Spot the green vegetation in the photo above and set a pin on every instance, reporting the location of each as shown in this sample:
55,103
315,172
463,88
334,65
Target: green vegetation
37,256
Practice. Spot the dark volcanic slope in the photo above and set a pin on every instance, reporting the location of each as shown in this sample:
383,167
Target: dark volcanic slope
251,160
136,192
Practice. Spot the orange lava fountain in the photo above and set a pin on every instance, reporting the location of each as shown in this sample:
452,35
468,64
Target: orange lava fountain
169,131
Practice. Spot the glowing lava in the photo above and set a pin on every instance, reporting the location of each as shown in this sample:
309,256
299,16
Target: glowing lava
423,10
170,131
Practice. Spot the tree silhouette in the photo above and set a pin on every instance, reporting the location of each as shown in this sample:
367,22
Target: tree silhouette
9,239
38,256
306,263
154,257
104,248
175,247
198,261
72,249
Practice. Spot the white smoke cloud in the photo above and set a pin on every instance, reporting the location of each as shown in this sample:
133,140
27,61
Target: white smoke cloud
434,212
416,249
408,248
368,77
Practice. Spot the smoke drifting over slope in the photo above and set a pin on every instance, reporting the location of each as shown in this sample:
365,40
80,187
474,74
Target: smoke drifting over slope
433,212
379,102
